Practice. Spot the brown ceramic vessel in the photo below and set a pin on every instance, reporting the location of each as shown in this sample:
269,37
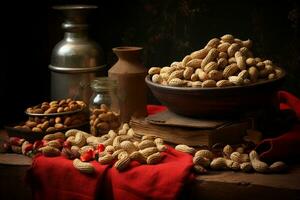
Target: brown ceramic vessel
218,102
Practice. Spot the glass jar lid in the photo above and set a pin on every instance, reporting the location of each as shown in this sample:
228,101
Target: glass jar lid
103,84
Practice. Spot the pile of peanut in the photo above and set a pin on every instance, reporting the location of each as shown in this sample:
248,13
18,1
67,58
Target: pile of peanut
64,105
117,149
52,124
102,120
233,159
223,62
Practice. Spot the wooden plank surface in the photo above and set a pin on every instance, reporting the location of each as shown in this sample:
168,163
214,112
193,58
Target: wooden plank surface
228,185
289,180
14,159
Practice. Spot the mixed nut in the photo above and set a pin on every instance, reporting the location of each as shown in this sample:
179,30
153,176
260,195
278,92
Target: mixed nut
225,61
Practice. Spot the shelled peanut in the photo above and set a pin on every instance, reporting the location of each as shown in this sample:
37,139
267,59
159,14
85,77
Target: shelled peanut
50,124
102,120
59,106
225,61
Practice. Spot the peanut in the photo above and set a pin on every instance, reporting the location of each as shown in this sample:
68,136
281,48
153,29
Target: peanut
154,158
204,154
258,165
138,156
54,136
278,167
209,83
194,63
223,47
203,161
186,149
177,82
154,70
50,151
234,47
128,146
227,38
156,78
188,73
145,144
240,158
105,160
83,167
116,153
199,54
212,54
221,163
246,167
230,70
122,164
213,43
227,151
199,169
185,60
223,83
148,151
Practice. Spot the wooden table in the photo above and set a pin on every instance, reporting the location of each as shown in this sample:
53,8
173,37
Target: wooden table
215,185
237,185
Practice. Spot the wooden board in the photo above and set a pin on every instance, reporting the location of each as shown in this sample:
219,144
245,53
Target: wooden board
14,159
246,186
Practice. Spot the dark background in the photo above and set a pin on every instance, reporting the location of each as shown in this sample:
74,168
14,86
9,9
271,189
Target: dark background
167,30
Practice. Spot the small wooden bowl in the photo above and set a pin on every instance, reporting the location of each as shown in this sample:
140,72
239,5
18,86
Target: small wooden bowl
217,102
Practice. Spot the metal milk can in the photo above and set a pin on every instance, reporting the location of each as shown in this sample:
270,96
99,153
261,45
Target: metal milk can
75,60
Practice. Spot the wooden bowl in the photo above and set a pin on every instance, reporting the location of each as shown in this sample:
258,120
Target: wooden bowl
33,136
217,102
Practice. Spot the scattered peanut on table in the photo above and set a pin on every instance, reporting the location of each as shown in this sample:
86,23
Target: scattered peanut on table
233,159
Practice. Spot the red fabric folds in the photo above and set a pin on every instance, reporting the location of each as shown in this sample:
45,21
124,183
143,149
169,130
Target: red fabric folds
160,181
284,147
287,145
56,178
153,109
289,101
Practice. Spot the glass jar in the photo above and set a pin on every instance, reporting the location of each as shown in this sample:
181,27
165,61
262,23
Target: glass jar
104,113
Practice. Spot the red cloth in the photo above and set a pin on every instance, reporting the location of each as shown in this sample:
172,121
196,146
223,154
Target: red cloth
284,147
56,178
287,145
160,181
153,109
289,101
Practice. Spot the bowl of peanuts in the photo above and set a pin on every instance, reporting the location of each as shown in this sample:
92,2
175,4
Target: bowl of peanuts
222,79
49,117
